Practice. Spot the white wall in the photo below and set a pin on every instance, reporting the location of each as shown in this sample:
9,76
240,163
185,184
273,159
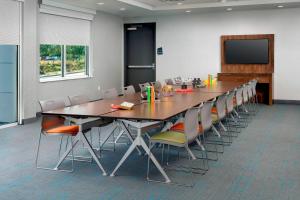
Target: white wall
191,43
107,44
30,59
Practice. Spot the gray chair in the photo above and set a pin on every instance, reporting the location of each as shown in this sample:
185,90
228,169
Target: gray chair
143,86
55,126
128,90
232,121
169,81
254,83
238,101
78,99
205,119
178,80
245,98
220,116
110,93
179,139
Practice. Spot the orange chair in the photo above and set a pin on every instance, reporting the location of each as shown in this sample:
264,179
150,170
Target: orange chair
55,126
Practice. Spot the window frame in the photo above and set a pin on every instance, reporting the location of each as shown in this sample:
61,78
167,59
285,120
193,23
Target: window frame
64,75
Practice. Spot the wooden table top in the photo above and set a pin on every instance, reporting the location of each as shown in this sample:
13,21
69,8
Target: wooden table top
222,86
95,108
163,110
167,107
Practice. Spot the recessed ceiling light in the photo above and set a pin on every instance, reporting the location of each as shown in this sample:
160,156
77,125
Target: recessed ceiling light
100,3
229,9
188,11
280,6
122,9
179,3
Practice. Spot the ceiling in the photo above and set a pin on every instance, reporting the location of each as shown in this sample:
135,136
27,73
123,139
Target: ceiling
137,8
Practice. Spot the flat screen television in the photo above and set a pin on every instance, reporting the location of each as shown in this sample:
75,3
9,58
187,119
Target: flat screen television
247,51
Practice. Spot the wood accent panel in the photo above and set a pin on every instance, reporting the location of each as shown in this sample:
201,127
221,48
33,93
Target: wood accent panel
245,77
248,68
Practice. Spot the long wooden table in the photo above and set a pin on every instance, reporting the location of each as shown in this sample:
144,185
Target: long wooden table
142,115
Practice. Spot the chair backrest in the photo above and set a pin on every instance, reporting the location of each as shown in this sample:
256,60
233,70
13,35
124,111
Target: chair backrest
249,88
79,99
245,93
254,83
169,81
239,96
128,90
178,80
110,93
49,122
229,101
157,86
191,124
52,104
143,86
205,115
221,106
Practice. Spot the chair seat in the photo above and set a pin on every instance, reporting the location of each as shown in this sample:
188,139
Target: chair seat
180,128
71,130
169,137
234,102
214,110
214,117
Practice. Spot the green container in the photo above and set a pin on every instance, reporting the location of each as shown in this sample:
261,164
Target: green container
148,94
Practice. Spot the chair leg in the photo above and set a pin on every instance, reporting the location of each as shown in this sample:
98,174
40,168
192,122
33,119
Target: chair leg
52,169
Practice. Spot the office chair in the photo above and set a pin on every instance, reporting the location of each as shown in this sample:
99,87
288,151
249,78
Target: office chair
128,90
143,86
169,81
55,126
110,93
180,139
219,115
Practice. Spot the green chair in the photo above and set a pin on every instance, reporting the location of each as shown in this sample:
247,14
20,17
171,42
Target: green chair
180,139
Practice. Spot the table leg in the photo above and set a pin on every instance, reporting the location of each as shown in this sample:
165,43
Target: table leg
139,141
155,162
130,136
126,155
63,157
113,128
90,149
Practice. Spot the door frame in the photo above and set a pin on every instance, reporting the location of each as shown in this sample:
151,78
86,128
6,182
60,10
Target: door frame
20,103
125,49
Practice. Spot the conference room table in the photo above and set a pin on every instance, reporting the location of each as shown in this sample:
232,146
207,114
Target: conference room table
143,116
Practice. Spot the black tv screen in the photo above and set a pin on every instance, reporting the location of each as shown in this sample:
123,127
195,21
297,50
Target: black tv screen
247,51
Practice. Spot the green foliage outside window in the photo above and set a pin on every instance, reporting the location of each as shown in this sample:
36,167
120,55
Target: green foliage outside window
51,60
76,59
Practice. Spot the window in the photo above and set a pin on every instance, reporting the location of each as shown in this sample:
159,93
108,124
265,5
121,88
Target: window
64,46
63,61
76,60
50,60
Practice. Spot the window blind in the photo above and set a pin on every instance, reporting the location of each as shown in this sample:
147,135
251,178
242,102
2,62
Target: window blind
10,22
55,29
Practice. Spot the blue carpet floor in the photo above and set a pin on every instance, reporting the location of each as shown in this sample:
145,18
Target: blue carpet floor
262,163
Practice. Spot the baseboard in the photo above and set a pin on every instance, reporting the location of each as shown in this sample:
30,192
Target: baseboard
30,120
292,102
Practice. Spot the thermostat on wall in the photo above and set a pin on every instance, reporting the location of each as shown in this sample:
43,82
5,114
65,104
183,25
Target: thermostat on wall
160,51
